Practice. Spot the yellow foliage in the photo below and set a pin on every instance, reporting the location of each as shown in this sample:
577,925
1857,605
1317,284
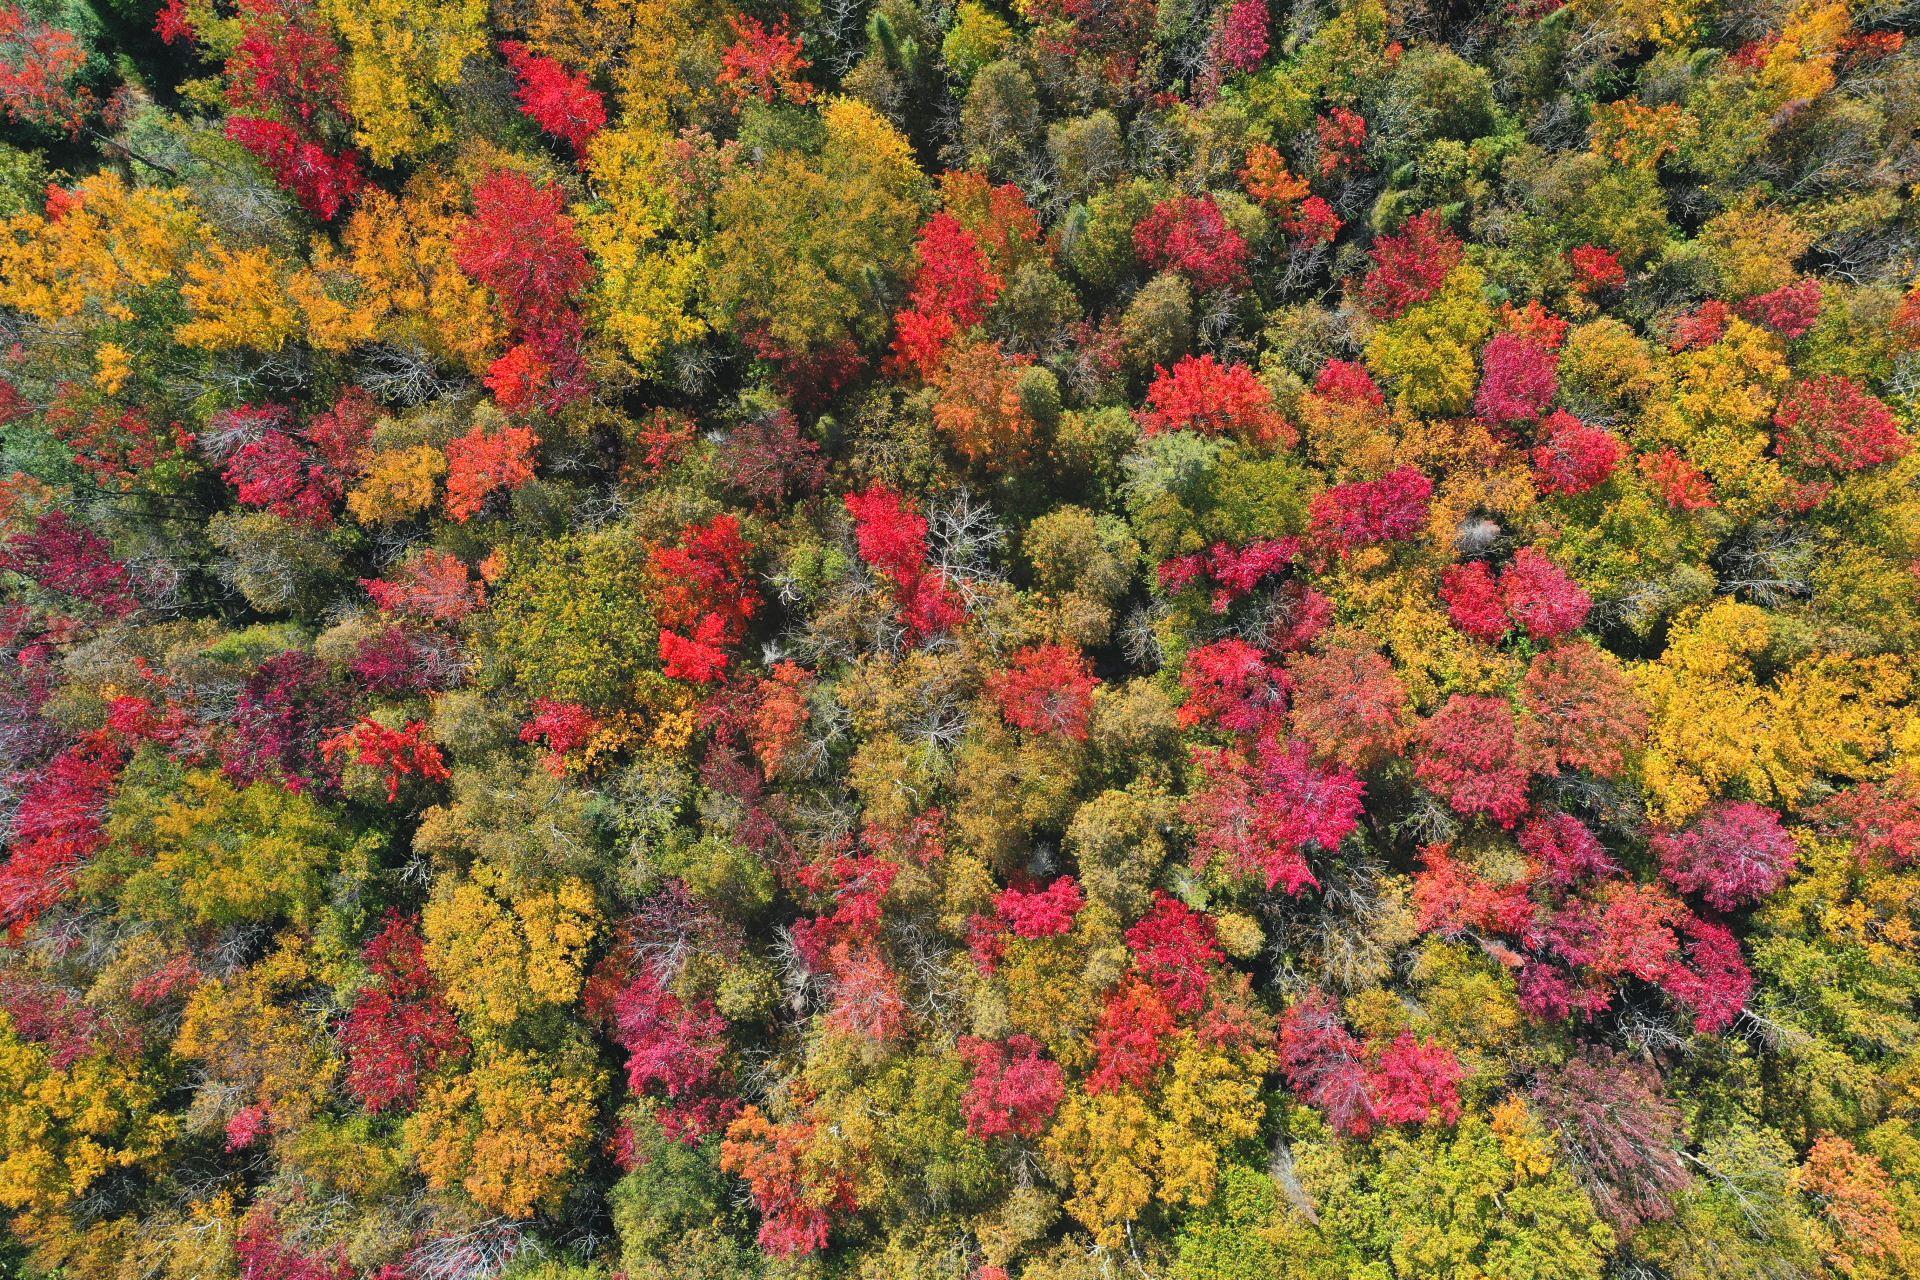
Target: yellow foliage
1521,1137
1118,1151
508,1132
400,54
393,278
1630,133
1429,357
661,55
502,956
113,365
63,1129
111,243
1799,66
1720,416
1716,728
246,1033
238,301
646,275
1754,247
399,484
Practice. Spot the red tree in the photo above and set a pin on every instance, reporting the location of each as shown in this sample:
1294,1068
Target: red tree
400,1030
1189,236
1047,688
1731,855
1360,514
1831,423
561,102
1014,1090
1573,456
1518,379
1201,394
1410,266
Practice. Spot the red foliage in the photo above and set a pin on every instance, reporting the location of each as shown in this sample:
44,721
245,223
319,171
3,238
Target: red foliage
1233,571
521,245
324,182
1595,270
1881,818
57,826
1414,1080
1189,236
1350,703
1342,136
1229,683
1573,456
1473,601
679,1051
1518,379
1201,394
952,289
1312,222
1014,1090
891,535
1365,512
1585,710
1261,806
63,556
480,465
1349,383
1700,328
561,102
1173,946
399,753
400,1030
280,719
1047,688
1540,598
39,67
1733,854
286,65
702,586
172,24
1830,422
1129,1043
562,727
1410,266
117,447
1679,483
1406,1081
764,64
1565,852
264,1255
1473,754
771,461
274,473
64,1024
1713,980
1041,913
430,584
1241,43
400,660
343,435
794,1204
1789,311
1324,1063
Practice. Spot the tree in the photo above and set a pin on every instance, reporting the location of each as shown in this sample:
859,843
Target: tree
797,237
1410,266
1200,394
1190,237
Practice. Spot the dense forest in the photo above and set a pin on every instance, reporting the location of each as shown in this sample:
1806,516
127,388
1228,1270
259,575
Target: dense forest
1000,640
